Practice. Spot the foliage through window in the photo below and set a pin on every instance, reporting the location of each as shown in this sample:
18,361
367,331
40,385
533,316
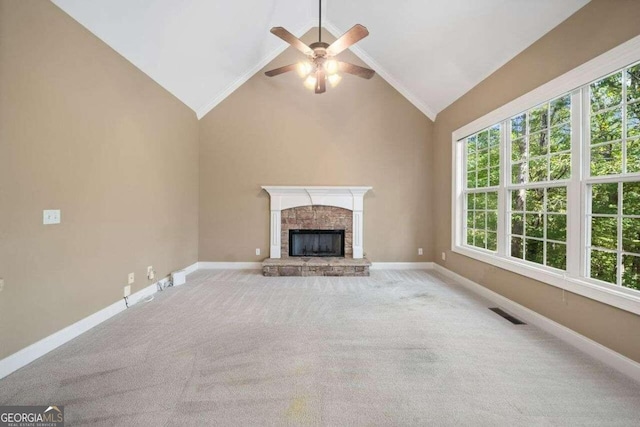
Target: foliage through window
540,153
539,225
482,220
483,159
482,167
613,218
541,143
615,123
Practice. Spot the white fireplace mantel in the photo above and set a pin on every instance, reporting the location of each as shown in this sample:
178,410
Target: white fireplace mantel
285,197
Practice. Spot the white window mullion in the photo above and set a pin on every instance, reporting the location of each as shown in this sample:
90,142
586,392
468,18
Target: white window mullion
624,107
585,169
619,229
503,199
575,208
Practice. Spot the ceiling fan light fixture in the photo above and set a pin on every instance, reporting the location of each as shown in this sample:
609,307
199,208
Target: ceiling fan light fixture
334,79
331,66
310,82
304,69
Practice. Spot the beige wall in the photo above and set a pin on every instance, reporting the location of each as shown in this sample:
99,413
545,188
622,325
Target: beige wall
273,131
596,28
84,131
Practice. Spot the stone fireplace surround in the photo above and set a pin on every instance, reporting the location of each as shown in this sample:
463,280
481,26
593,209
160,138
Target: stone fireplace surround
316,217
314,207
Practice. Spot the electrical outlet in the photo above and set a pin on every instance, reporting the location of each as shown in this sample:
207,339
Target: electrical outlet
151,274
444,256
257,251
132,278
51,216
127,290
419,251
1,284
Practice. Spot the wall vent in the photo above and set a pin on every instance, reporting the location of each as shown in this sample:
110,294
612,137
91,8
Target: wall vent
507,316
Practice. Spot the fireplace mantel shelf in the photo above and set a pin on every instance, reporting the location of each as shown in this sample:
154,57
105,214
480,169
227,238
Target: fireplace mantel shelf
346,197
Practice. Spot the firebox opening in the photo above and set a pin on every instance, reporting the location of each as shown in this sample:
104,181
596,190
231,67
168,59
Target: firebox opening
317,243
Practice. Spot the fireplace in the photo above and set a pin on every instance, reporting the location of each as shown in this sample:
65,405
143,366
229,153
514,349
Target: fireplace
317,243
316,208
316,231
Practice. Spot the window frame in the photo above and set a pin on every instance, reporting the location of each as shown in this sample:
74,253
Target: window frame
574,278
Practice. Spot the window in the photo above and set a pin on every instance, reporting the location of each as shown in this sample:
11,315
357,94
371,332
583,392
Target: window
539,226
613,215
482,220
541,143
614,219
540,165
549,185
482,166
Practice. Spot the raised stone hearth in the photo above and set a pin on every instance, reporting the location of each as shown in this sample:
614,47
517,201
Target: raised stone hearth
314,266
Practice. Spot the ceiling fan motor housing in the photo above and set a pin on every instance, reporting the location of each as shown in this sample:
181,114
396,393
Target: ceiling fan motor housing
319,52
321,45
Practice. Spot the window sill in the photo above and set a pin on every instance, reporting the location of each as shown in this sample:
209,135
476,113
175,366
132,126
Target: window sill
621,298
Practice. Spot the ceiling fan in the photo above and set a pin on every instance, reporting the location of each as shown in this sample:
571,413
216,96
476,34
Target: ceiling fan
321,65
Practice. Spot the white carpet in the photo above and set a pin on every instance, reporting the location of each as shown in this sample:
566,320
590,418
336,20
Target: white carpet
397,348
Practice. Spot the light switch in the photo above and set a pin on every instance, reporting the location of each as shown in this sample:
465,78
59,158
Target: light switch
51,216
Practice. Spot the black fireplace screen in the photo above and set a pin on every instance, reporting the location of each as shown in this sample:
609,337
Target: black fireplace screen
316,243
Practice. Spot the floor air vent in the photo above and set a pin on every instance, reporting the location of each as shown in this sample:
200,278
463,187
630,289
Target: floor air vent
507,316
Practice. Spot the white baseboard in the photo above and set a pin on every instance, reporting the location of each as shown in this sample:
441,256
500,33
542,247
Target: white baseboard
38,349
192,268
604,354
402,265
230,265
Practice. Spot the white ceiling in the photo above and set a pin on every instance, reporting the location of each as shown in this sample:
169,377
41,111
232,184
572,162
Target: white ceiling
432,51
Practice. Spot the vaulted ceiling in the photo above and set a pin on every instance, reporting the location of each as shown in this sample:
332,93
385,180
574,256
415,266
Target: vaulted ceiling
431,51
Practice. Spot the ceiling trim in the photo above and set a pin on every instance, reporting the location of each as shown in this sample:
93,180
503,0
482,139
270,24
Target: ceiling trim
425,109
204,110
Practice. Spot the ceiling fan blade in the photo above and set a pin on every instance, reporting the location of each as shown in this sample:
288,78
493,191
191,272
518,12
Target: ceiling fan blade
355,34
356,70
321,83
292,40
281,70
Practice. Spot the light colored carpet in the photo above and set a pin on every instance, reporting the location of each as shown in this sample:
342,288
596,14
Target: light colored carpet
398,348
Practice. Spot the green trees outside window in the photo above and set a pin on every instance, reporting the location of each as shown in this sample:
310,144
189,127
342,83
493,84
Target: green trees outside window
483,172
614,209
482,220
614,247
540,153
